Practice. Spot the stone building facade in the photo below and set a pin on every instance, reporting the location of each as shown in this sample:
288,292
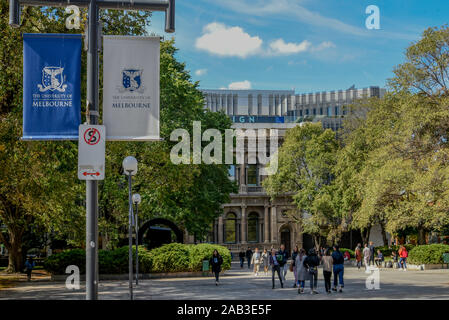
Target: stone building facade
252,218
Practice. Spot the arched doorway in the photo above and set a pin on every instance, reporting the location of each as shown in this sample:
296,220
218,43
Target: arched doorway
157,232
286,237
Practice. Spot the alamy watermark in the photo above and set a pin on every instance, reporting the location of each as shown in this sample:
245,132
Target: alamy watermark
73,280
256,151
372,282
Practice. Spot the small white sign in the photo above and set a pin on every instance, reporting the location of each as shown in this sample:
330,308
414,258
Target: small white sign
91,152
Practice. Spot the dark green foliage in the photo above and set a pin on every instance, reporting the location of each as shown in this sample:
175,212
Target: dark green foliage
174,257
386,251
428,254
204,251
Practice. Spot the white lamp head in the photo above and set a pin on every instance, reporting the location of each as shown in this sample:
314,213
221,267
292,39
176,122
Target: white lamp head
130,166
136,198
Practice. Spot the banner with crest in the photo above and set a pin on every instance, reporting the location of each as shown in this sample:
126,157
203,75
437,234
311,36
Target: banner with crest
51,86
131,88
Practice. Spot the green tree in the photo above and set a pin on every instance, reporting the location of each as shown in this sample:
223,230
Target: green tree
305,162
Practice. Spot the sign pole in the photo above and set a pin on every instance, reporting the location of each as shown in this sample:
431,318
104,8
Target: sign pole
91,185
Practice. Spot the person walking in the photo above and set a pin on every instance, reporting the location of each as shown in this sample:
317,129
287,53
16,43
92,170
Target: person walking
338,268
403,255
283,263
358,255
366,254
216,261
249,255
327,261
265,257
242,258
255,260
372,252
29,265
301,270
294,255
311,263
275,266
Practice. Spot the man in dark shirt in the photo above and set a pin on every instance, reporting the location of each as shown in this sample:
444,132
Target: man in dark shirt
249,255
242,258
371,249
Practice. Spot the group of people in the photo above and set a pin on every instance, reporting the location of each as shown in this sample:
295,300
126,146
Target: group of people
304,266
370,258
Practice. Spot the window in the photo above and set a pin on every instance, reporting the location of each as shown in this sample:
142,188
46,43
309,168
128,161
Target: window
337,110
307,112
252,175
321,111
300,113
329,111
231,172
253,223
314,111
230,228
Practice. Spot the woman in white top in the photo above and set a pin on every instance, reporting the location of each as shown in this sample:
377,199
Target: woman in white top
266,264
255,260
301,271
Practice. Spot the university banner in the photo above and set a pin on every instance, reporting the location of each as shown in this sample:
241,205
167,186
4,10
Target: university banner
131,88
51,86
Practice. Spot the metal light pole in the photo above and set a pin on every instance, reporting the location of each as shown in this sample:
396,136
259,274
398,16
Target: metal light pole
92,110
130,169
136,201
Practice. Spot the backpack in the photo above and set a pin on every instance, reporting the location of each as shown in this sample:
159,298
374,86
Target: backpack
280,258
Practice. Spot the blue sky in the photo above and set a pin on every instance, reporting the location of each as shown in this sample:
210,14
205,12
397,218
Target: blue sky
308,45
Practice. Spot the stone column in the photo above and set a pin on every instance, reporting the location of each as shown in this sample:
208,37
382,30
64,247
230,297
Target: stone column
273,224
220,229
266,224
244,225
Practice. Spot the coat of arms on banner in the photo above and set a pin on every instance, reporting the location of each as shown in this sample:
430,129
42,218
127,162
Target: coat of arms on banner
52,79
132,81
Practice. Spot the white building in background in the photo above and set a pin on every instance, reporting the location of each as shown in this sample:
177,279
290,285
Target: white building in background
252,218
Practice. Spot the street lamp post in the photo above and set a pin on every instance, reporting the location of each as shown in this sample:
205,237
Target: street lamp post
136,201
130,169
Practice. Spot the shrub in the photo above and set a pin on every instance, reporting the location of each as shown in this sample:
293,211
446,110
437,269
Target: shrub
58,262
386,251
428,254
351,252
172,257
204,251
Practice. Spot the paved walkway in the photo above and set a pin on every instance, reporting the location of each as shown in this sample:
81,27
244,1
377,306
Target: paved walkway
241,284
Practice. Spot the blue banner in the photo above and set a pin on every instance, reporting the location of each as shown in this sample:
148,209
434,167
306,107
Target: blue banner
51,86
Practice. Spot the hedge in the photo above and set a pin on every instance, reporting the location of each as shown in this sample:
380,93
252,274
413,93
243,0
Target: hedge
351,252
428,254
174,257
386,251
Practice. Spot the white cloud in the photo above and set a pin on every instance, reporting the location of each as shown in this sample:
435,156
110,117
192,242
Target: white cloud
323,46
222,40
225,41
243,85
200,72
279,46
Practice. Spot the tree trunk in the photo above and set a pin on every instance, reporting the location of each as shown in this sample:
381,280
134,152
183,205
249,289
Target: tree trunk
15,255
384,234
365,234
421,236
